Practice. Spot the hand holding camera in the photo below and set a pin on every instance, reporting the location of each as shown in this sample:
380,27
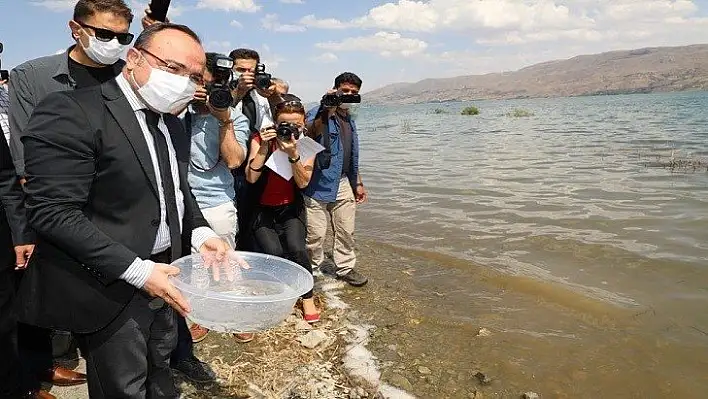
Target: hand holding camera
267,134
335,98
244,84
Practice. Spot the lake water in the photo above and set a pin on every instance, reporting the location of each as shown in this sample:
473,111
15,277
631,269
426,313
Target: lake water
577,195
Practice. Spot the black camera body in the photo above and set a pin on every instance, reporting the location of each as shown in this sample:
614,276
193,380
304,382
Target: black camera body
339,98
286,130
219,90
261,78
4,74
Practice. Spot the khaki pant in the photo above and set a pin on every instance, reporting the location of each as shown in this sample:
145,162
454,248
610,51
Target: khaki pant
224,221
342,214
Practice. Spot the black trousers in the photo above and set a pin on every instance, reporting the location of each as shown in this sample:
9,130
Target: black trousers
129,358
10,368
281,231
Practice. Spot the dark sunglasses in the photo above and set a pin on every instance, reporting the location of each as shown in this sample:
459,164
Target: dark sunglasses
293,103
106,35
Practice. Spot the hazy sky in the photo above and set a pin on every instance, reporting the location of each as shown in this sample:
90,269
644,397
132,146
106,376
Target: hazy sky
308,42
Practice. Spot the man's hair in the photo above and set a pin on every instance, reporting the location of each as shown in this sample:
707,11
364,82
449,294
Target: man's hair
245,54
85,9
146,35
278,81
347,77
210,60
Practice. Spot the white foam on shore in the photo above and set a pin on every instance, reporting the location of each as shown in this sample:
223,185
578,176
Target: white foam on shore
358,360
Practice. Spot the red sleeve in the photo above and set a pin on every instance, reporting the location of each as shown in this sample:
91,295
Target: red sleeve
256,136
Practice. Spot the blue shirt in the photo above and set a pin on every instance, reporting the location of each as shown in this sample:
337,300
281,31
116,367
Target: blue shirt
210,179
324,184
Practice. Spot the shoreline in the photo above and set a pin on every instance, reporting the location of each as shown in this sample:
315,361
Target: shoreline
293,360
429,325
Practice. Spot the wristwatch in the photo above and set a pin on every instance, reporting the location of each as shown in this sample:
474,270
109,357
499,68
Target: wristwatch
294,160
226,122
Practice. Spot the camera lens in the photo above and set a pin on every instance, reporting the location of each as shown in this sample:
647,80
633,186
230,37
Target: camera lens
220,98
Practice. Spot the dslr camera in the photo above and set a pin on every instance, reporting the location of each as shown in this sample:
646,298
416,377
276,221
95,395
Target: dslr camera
261,78
286,130
220,89
4,74
339,98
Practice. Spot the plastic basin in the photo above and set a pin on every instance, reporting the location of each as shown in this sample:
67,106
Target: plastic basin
252,300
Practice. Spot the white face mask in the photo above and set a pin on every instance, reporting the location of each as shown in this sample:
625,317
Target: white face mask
105,53
166,92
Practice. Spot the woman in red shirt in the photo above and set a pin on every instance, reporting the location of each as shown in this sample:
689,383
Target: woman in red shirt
279,226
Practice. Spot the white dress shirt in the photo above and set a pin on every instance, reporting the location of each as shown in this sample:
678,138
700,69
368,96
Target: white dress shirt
139,271
264,118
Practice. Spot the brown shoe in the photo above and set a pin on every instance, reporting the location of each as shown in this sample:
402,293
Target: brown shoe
244,338
198,333
41,394
63,377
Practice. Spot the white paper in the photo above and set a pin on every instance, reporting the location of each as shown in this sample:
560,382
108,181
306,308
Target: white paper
278,160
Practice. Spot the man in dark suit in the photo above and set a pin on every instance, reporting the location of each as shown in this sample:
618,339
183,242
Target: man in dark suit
108,197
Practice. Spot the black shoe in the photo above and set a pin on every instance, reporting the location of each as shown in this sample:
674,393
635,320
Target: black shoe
195,370
354,278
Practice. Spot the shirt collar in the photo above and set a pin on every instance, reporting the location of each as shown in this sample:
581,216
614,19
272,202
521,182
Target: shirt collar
63,64
136,103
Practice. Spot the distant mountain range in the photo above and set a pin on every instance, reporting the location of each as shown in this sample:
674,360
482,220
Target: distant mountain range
656,69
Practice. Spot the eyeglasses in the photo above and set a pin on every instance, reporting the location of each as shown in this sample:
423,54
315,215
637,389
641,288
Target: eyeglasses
106,35
176,68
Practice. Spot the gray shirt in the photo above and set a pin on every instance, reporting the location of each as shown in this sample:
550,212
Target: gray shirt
29,84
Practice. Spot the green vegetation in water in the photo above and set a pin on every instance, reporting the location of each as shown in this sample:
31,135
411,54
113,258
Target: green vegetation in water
438,111
519,113
470,111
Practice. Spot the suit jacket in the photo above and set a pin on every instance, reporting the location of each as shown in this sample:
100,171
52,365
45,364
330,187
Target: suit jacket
9,190
92,199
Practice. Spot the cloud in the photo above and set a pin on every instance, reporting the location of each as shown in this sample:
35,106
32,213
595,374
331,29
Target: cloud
218,46
515,22
311,21
270,22
56,5
326,58
229,5
292,1
387,44
236,24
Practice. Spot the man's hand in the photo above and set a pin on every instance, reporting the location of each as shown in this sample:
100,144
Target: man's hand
214,252
269,92
361,194
22,255
147,20
245,84
159,285
289,147
223,115
201,94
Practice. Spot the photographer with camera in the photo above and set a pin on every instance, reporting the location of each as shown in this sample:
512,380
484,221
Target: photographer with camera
252,92
336,187
219,135
278,222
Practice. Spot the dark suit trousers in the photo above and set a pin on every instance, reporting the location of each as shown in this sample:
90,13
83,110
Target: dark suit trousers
9,364
129,358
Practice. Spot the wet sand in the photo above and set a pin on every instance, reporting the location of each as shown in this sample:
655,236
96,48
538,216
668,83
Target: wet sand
542,337
446,328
